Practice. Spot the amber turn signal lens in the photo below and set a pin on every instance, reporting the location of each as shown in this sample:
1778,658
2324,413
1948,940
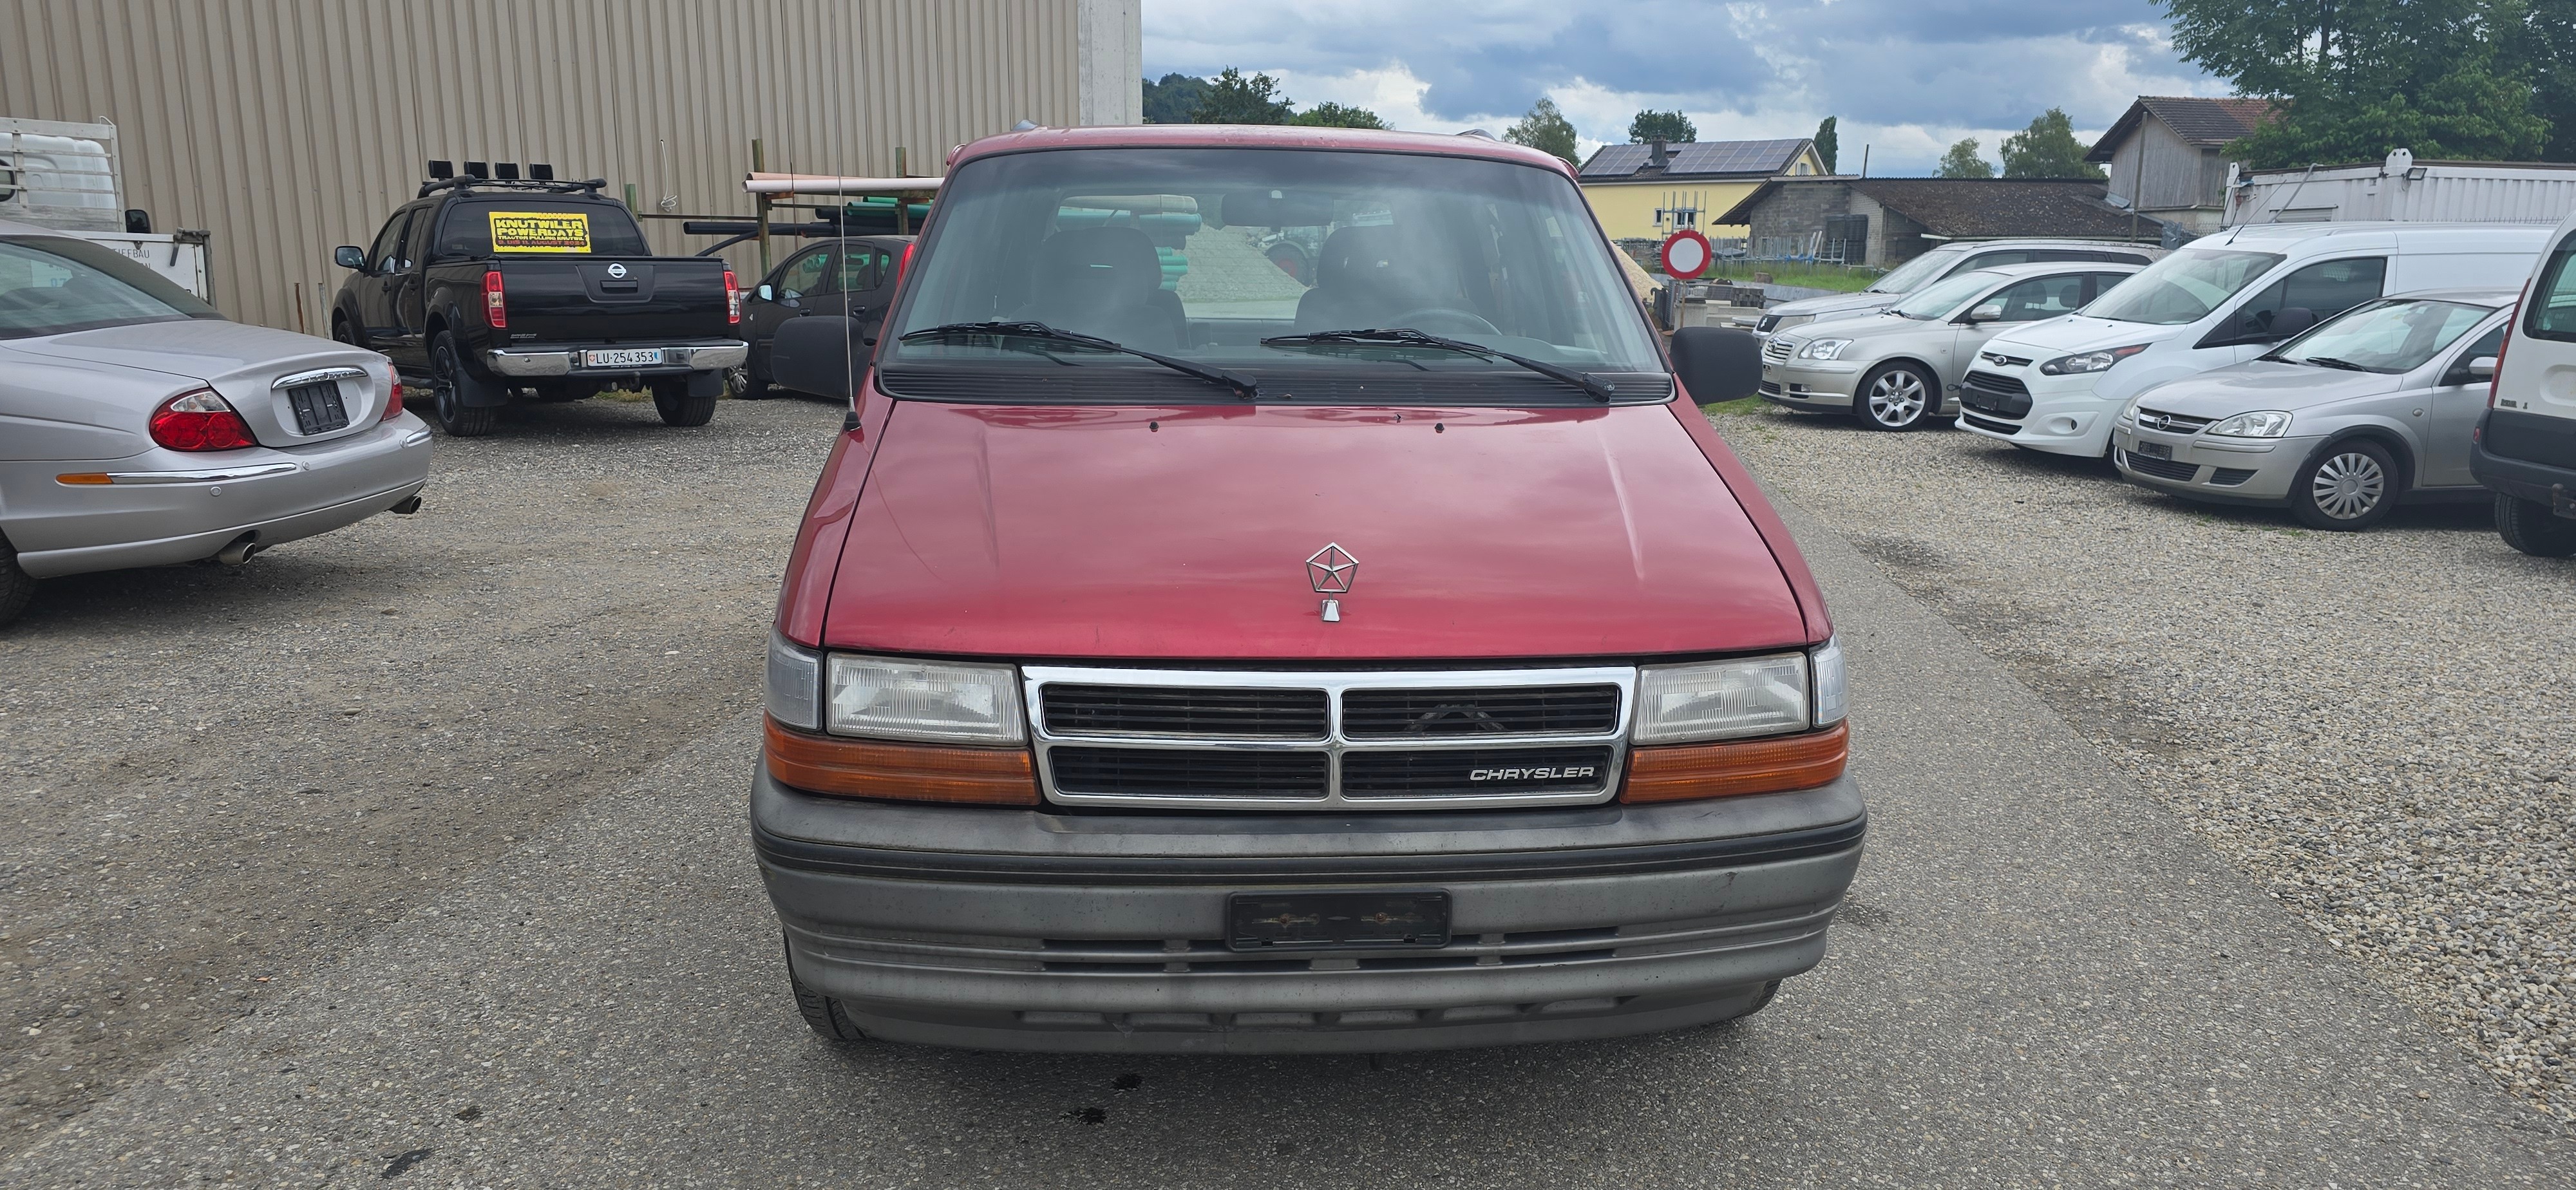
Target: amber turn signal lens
1684,772
84,478
900,772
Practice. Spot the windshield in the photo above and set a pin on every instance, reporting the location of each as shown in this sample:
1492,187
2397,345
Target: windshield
2394,336
1200,254
50,285
478,227
2183,287
1943,298
1918,272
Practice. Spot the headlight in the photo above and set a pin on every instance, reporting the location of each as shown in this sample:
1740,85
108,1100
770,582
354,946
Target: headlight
922,700
2269,423
2088,361
1823,349
1723,700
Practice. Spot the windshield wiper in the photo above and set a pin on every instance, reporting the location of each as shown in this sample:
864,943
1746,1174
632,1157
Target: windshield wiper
2328,361
1403,337
1243,386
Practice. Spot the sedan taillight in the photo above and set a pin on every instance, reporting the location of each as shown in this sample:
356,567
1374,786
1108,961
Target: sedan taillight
393,393
496,307
199,420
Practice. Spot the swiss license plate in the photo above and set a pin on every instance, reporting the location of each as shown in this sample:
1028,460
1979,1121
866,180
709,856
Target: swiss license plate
1315,921
2153,450
623,357
318,408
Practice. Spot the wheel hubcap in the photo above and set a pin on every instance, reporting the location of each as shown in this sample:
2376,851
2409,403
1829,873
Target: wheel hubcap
1896,399
2348,486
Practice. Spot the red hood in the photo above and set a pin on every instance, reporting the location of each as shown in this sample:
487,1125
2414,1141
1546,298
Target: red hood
1183,533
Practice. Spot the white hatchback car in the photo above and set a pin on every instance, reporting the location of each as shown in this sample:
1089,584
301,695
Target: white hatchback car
138,427
2219,300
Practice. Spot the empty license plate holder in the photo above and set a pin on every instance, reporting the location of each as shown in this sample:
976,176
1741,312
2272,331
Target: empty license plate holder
1414,919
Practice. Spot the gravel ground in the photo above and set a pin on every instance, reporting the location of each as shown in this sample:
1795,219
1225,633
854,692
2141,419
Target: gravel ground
2374,726
218,779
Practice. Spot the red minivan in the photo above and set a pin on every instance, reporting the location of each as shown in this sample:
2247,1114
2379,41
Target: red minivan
1186,653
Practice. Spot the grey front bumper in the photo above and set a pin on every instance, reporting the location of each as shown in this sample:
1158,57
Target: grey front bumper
676,357
1042,930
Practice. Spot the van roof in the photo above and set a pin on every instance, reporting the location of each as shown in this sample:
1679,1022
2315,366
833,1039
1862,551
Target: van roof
2291,233
1254,136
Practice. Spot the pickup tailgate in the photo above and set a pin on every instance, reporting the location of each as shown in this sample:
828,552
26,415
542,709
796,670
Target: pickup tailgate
614,299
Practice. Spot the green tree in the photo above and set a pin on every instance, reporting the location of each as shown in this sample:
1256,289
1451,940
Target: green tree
1171,99
2547,55
2357,78
2047,149
1546,130
1962,161
1334,115
1828,142
1231,98
1670,127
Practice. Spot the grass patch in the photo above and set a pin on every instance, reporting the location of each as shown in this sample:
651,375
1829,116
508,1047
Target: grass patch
1839,278
1738,405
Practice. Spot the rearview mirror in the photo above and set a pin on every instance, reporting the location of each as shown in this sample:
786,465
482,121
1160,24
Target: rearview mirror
818,354
2292,320
2483,367
1717,363
349,256
1989,312
1275,208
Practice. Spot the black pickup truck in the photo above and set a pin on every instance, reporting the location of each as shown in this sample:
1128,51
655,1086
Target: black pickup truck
500,289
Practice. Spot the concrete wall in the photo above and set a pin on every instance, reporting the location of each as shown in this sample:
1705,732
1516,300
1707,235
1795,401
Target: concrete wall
288,126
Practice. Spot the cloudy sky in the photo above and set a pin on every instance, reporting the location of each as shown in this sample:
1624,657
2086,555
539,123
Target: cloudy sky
1907,77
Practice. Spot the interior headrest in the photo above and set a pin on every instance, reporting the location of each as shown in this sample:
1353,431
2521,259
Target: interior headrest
1098,260
1355,255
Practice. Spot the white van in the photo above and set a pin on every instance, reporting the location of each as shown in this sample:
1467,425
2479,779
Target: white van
2058,385
2525,448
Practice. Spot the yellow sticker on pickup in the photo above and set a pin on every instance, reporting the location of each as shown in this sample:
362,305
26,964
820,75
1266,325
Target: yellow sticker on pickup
540,231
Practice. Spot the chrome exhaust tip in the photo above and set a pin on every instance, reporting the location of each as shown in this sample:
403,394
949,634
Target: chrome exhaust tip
240,550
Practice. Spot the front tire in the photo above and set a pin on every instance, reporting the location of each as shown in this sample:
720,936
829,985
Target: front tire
448,384
679,407
16,588
2526,525
1896,397
2348,487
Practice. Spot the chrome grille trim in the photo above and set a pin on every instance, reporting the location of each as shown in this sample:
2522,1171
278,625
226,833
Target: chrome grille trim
1334,683
1777,350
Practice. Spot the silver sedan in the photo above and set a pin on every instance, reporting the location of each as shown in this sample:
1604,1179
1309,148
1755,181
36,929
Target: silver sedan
138,427
2370,408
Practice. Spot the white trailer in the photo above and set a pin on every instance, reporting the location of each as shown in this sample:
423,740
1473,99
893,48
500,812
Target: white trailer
64,177
2402,189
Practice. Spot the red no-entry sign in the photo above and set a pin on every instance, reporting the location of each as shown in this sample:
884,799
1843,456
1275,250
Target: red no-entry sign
1686,254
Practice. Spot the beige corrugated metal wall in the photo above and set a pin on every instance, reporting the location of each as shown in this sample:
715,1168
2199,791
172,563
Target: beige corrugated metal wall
288,126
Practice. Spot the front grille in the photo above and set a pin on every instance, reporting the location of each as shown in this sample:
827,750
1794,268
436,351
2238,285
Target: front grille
1777,350
2228,477
2179,472
1469,772
1768,324
2001,396
1234,714
2171,423
2009,361
1216,739
1174,772
1998,384
1540,710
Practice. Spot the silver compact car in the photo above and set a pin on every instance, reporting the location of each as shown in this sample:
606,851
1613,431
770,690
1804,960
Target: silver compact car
138,427
2367,409
1896,367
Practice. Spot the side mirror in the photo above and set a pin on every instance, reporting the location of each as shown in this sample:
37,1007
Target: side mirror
766,294
138,221
819,355
1989,312
2483,367
2291,320
350,256
1717,363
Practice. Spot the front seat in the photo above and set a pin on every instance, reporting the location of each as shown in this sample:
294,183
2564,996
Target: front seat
1361,281
1101,281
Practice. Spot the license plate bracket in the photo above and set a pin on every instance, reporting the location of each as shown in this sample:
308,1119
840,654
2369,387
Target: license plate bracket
1408,920
2152,450
623,357
318,407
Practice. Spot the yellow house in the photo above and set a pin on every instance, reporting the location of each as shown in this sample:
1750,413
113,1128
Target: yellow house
1628,184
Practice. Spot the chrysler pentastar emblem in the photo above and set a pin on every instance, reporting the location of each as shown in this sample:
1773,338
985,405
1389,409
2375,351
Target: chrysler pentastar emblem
1331,570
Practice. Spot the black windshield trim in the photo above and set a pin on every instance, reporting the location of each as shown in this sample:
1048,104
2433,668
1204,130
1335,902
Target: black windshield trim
997,382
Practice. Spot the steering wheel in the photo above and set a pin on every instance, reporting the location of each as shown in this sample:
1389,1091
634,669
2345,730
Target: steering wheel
1462,319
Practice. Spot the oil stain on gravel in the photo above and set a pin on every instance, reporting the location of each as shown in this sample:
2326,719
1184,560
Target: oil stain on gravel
2374,726
219,779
